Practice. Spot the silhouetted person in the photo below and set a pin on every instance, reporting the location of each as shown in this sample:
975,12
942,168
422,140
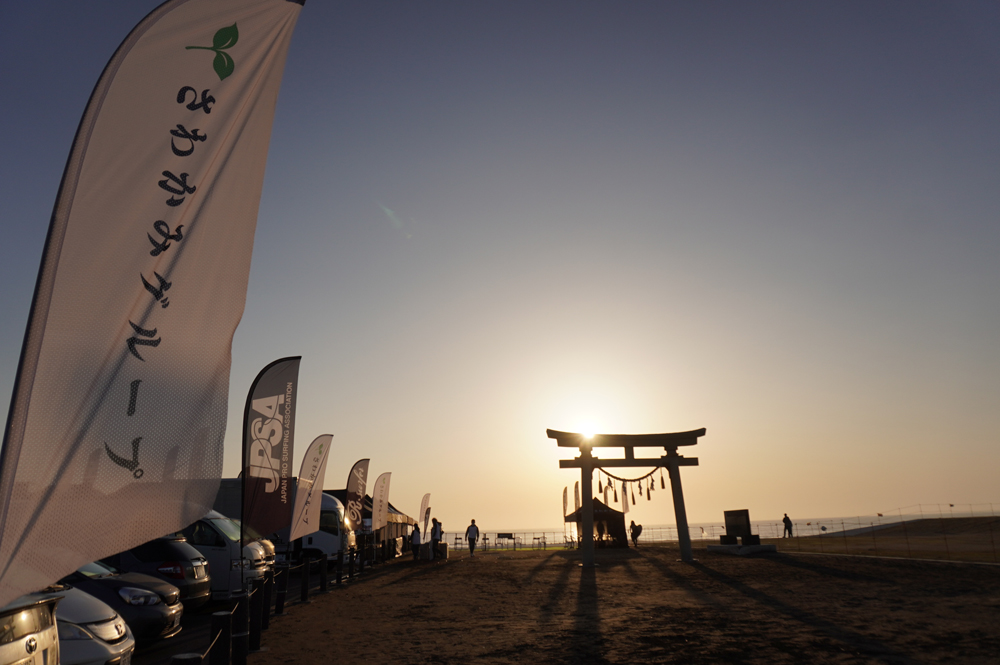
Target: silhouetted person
788,527
634,530
435,537
472,535
415,542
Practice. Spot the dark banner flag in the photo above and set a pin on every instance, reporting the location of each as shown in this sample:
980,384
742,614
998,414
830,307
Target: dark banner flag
268,439
357,484
118,415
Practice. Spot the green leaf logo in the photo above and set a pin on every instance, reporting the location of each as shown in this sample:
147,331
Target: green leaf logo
224,38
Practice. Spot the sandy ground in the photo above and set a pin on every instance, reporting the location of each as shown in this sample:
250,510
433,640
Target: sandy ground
643,605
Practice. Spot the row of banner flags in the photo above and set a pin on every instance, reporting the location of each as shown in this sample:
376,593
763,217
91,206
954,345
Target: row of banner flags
270,501
115,431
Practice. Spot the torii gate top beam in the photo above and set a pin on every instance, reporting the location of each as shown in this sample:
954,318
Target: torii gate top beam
670,440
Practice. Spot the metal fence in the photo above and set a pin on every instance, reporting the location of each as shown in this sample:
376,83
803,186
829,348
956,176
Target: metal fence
957,532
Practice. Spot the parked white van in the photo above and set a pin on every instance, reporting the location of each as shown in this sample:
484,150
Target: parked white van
218,539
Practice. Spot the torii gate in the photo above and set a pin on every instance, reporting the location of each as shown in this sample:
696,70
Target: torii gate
586,462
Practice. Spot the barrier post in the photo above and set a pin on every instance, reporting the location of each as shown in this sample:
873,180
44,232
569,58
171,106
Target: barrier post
222,625
241,628
281,589
304,587
186,659
265,616
256,603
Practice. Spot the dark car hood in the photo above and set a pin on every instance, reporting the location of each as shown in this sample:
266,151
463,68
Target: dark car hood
168,592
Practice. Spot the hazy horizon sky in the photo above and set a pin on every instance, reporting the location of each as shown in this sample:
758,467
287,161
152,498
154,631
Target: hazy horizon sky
777,221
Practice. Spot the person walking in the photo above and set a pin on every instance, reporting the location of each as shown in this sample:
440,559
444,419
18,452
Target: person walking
415,542
472,535
634,530
436,533
788,527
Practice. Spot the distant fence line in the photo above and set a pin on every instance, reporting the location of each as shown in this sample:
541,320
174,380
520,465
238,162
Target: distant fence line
966,532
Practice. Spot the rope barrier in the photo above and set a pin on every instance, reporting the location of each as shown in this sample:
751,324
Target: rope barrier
209,649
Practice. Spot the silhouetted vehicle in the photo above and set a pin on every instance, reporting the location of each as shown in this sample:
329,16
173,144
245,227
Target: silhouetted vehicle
173,560
28,634
234,563
90,632
150,606
250,535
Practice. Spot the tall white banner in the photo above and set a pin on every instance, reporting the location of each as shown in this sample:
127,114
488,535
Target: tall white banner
425,505
115,431
305,516
380,501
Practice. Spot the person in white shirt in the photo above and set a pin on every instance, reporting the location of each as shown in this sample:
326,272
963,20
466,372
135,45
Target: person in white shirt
472,535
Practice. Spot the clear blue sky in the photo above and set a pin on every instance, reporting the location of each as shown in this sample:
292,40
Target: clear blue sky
778,221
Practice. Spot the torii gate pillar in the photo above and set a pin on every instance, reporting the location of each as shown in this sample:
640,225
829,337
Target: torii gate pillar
586,462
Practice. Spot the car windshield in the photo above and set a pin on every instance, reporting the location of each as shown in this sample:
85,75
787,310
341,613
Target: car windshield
229,528
249,531
250,534
329,521
97,569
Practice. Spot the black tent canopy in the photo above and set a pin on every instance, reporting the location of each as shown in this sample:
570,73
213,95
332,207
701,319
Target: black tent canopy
606,519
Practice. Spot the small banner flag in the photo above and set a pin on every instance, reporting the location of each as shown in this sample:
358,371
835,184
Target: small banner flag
425,503
305,516
576,496
118,414
380,501
427,518
268,443
357,485
565,501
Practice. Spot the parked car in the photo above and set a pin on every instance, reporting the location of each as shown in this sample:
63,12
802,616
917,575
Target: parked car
150,606
28,633
90,632
249,534
234,563
173,560
332,535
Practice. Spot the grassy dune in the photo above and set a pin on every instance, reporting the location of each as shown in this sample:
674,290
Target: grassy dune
950,539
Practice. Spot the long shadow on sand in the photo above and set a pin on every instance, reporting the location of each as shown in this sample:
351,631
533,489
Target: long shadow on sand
828,571
865,645
420,569
550,608
585,643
